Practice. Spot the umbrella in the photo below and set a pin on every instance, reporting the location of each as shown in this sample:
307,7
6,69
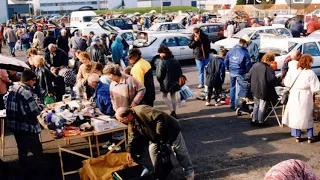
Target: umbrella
10,63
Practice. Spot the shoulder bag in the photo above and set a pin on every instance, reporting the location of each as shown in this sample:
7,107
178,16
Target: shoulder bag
285,96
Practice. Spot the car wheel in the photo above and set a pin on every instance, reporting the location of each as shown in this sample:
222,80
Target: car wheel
155,62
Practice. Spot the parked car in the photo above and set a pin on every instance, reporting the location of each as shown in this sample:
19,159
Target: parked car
285,47
167,27
178,44
253,33
122,23
213,30
315,34
259,21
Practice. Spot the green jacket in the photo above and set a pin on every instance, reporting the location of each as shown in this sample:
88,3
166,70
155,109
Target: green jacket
153,124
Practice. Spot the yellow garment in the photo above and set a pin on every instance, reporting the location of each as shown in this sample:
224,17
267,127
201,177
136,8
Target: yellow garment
139,69
101,168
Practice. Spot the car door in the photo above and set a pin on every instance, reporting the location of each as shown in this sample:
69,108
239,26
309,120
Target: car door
172,43
283,31
129,37
185,51
312,48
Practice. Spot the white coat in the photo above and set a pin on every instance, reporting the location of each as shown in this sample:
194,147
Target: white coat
299,110
230,30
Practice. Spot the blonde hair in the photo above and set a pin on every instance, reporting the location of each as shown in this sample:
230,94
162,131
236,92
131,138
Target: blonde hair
38,60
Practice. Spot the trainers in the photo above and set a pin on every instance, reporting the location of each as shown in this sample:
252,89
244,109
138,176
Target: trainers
208,104
191,176
106,145
113,145
200,86
217,104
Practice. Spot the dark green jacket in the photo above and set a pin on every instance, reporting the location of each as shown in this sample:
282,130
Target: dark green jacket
154,125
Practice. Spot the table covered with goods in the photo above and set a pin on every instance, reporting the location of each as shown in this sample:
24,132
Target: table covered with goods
67,121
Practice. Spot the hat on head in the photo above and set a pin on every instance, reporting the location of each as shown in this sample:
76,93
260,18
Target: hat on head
95,40
91,32
246,37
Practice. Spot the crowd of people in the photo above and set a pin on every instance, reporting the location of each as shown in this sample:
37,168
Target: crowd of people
123,85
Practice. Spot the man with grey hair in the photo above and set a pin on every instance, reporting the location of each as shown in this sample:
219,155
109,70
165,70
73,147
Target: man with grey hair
62,41
96,52
56,57
101,96
74,41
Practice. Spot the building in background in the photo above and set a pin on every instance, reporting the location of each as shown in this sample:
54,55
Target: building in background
22,7
118,4
4,11
152,3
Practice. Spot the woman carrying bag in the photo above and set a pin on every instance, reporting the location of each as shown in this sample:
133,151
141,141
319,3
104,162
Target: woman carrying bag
304,84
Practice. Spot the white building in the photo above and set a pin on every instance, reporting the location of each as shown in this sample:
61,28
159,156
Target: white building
151,3
57,6
4,11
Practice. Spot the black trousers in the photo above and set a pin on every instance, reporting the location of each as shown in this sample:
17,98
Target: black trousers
1,102
217,92
26,142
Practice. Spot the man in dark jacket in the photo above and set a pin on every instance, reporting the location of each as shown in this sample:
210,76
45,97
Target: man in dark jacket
215,74
238,63
49,39
159,128
62,41
262,79
56,57
83,43
201,52
95,52
101,96
297,29
142,71
90,38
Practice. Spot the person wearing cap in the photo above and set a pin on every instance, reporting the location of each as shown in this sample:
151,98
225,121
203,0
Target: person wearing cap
253,49
83,43
142,71
91,36
95,51
22,111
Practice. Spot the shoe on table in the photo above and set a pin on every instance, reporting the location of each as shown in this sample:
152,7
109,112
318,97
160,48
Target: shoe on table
200,86
191,176
208,104
113,145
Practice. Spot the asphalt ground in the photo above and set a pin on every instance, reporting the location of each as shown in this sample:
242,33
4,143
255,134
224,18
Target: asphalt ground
221,144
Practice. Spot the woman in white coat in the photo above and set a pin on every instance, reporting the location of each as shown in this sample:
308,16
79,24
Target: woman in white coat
298,114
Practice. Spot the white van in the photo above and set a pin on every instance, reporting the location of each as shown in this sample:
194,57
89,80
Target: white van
81,18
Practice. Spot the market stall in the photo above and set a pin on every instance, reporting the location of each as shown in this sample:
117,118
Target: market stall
77,120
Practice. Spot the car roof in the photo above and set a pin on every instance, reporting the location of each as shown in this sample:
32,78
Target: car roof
206,24
168,23
261,27
303,40
165,35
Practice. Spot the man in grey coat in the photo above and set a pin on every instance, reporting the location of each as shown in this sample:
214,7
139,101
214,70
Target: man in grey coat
74,41
11,37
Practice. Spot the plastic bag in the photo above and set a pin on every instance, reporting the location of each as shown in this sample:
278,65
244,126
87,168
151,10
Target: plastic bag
49,100
186,92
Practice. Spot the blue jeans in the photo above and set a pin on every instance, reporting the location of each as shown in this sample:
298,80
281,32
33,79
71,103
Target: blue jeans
25,48
297,132
11,47
234,89
200,67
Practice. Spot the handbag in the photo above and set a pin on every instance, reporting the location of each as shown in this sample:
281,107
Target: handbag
285,96
186,92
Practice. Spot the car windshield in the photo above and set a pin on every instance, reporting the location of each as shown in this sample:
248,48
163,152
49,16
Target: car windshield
241,33
154,27
88,18
143,41
106,26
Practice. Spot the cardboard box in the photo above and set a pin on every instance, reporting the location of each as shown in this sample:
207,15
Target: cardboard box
104,123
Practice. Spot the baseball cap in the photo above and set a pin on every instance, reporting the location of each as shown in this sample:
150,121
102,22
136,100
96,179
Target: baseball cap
246,37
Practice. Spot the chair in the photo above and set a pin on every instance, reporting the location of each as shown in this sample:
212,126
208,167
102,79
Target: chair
273,111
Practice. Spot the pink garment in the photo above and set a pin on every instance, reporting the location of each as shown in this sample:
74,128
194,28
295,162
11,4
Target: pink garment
311,26
291,169
4,80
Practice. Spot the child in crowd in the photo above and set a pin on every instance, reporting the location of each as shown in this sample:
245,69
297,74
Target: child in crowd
215,74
